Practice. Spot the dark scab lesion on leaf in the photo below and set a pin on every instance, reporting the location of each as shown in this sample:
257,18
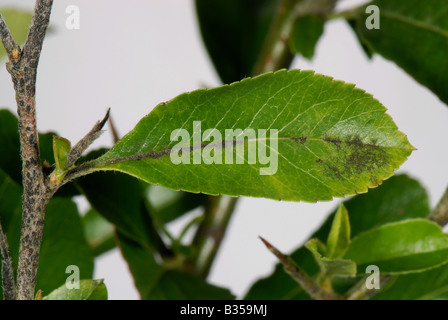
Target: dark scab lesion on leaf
301,140
353,157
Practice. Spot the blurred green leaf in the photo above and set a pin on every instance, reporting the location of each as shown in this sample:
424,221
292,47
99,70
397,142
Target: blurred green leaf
100,233
305,34
88,290
413,34
156,282
400,247
234,32
399,198
119,198
169,204
18,22
430,284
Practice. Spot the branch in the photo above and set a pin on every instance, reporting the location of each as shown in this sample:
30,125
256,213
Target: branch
305,281
36,34
23,69
275,53
360,291
208,237
8,284
440,213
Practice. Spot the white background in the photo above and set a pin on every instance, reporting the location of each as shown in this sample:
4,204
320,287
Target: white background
130,55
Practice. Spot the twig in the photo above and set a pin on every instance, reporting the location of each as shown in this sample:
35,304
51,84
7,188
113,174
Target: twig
23,69
87,140
208,238
440,213
8,284
12,49
305,281
360,291
275,53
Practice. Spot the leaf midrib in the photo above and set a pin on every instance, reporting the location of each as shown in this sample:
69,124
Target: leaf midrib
415,23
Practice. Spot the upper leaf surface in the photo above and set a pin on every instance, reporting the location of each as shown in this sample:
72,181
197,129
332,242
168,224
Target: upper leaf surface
88,290
400,247
413,34
333,140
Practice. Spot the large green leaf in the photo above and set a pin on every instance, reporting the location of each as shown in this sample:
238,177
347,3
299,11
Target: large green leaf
234,32
400,247
18,23
156,282
413,34
398,198
430,284
88,290
325,138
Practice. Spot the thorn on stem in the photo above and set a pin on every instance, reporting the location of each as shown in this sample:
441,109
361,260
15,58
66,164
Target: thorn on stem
87,140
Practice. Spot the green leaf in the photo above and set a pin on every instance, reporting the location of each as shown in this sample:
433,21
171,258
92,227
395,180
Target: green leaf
398,198
430,284
88,290
329,267
339,237
63,244
18,22
413,34
326,139
169,204
400,247
119,198
100,233
157,282
61,149
305,34
234,32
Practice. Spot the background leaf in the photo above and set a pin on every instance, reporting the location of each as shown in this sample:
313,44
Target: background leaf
400,247
399,198
234,32
334,139
100,233
156,282
430,284
306,33
413,34
88,290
